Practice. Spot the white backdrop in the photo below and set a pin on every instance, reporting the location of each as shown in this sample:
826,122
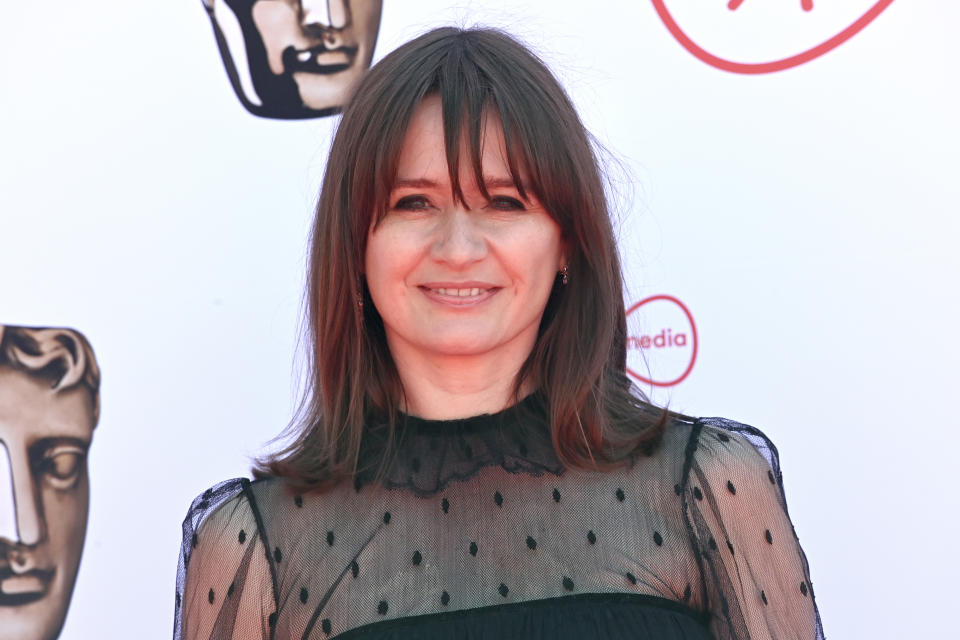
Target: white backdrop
807,218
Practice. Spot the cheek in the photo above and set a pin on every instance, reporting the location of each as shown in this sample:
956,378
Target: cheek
386,267
535,256
376,263
391,255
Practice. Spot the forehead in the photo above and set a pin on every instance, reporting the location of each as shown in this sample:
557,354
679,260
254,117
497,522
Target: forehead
423,153
30,410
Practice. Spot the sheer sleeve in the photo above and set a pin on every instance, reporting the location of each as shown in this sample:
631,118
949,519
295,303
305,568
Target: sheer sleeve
224,583
755,575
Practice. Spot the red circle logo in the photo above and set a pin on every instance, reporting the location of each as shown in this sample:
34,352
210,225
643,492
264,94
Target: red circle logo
766,29
662,342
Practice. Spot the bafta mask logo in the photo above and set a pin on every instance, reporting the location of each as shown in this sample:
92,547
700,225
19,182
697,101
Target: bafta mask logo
291,59
49,406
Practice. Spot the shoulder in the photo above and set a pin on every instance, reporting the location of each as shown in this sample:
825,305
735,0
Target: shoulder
723,445
739,440
222,548
736,514
223,523
238,502
720,438
225,506
214,508
212,499
713,446
266,510
726,460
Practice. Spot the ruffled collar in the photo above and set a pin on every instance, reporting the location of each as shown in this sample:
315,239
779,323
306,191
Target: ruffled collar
431,454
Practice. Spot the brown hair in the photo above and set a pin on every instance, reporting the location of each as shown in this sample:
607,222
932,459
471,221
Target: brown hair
578,362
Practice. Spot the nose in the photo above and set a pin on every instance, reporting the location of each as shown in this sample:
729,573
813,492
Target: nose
20,518
459,241
325,14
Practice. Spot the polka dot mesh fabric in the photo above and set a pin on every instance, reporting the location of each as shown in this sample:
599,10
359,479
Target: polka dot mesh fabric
479,532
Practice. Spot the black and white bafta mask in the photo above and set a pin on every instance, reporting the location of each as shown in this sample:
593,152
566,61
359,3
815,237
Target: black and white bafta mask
295,58
49,405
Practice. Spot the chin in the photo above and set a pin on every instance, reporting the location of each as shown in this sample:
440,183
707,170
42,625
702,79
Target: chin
459,346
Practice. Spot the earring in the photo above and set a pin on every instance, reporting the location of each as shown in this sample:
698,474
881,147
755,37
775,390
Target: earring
563,275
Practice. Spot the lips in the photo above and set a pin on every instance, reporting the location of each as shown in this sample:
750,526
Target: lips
459,294
318,59
17,589
462,293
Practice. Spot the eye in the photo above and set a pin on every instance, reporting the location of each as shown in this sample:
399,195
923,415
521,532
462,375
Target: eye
506,203
412,203
61,466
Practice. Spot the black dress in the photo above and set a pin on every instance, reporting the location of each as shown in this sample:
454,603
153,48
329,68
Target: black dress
478,532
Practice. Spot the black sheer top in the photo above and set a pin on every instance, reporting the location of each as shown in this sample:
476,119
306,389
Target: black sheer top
479,532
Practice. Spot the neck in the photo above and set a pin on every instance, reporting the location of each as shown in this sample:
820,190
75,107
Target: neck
445,387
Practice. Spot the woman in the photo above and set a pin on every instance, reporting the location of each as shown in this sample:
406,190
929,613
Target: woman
471,461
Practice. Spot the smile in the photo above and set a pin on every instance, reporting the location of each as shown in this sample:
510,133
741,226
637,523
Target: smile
463,293
459,296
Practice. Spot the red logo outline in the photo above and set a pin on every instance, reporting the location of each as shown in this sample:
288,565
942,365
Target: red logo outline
766,67
693,329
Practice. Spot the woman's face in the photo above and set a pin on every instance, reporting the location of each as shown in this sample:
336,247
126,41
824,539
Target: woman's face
459,279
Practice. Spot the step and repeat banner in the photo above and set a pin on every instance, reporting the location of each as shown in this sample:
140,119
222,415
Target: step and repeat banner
784,174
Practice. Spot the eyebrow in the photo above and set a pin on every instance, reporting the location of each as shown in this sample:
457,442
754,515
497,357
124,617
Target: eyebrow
424,183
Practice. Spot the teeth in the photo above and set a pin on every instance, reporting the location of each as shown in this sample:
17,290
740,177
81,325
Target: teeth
303,56
461,293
